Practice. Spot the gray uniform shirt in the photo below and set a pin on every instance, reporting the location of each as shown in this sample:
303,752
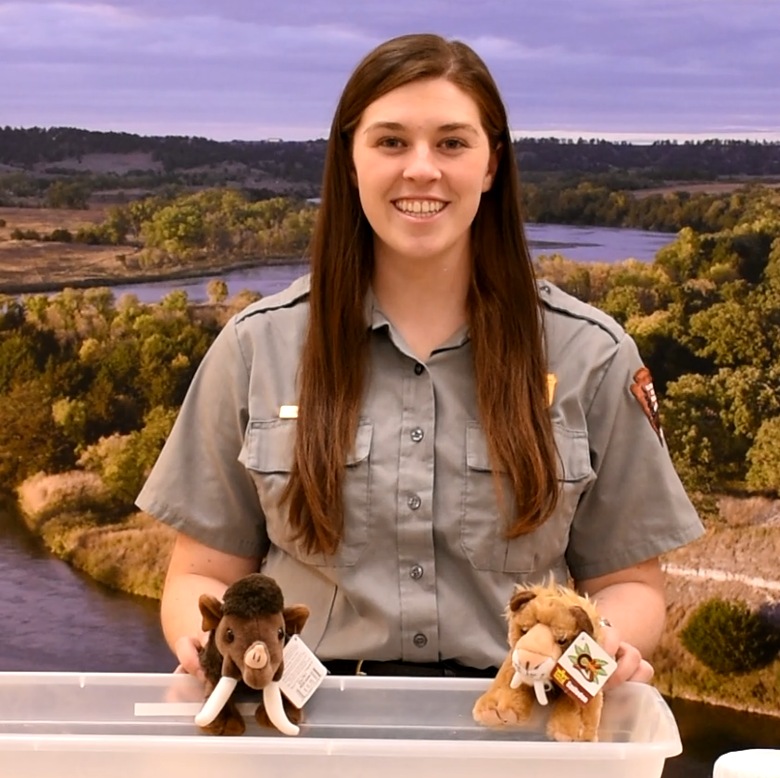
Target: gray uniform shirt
424,572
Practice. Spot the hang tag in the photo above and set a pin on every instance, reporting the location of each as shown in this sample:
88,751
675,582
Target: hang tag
583,669
303,672
288,412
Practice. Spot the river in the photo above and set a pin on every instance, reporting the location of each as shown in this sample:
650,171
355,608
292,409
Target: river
583,244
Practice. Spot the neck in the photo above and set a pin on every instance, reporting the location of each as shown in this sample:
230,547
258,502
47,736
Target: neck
425,299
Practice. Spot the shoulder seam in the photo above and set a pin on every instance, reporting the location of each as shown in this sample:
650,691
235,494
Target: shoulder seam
287,304
265,304
616,337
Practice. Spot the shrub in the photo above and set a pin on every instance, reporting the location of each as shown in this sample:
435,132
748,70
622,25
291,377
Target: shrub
18,234
61,235
730,638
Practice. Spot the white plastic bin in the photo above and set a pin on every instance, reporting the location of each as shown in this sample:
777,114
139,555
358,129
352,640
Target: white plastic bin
73,725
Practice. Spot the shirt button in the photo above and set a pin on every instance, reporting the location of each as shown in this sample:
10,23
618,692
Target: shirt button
416,573
420,640
414,502
417,435
418,368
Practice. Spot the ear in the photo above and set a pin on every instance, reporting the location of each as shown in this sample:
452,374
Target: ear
490,174
520,599
581,618
210,610
294,618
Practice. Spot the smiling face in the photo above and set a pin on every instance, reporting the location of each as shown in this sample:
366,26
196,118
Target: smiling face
422,161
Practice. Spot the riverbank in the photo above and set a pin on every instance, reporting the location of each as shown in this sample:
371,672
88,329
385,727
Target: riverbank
75,520
84,267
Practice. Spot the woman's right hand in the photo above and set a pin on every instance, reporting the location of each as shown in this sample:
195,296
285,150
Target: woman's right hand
187,650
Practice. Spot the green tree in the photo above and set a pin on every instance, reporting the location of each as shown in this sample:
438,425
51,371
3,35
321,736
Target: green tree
217,291
764,457
728,637
68,194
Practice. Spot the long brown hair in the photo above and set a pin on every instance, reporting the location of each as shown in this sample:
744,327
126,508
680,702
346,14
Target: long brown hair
503,308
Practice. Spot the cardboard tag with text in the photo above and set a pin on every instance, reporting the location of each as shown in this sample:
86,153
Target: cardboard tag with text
583,669
303,672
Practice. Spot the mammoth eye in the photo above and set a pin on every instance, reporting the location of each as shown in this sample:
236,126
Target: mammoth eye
523,630
562,641
229,636
280,634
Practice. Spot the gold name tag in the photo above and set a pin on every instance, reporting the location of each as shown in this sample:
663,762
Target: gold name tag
552,380
288,412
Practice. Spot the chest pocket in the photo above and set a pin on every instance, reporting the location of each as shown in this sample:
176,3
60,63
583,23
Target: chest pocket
483,526
268,455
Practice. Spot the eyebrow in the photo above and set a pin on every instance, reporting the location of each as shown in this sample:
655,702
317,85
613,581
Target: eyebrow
398,127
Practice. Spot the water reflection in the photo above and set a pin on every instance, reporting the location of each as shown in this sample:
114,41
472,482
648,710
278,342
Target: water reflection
55,619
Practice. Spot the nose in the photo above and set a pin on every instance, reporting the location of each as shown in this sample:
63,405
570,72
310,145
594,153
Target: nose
421,165
256,656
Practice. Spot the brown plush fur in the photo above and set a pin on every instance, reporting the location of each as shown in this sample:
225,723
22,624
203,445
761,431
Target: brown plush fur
543,622
251,611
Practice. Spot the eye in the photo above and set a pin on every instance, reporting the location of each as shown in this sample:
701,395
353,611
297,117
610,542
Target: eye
453,144
229,636
523,630
280,634
390,143
562,641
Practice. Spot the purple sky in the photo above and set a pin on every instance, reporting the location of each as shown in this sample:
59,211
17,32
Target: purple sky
253,69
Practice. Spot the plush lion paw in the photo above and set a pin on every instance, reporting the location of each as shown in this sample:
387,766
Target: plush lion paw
501,708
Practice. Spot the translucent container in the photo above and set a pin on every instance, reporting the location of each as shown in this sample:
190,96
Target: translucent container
73,725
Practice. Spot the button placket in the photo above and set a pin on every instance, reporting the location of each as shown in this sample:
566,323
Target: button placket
418,601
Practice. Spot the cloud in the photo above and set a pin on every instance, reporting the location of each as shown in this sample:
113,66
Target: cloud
242,69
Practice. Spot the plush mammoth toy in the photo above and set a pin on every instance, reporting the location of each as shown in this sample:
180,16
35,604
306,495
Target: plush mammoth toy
247,630
543,623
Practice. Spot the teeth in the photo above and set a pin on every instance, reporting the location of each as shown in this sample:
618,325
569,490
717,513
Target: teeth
419,206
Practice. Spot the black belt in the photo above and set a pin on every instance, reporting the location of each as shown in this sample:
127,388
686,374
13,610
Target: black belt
447,668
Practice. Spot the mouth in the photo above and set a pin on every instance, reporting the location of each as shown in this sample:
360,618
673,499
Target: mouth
420,209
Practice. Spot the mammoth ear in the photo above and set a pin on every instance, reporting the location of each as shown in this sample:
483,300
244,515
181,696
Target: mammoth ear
583,621
210,610
294,618
520,599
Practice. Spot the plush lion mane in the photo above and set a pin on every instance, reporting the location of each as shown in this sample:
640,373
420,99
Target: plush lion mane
560,608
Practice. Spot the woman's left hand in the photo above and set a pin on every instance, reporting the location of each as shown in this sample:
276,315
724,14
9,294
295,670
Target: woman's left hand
630,664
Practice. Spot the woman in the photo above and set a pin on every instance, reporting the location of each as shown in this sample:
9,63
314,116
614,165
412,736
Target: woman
402,436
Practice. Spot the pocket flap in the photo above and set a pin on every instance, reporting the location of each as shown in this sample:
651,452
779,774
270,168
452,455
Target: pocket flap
573,453
269,446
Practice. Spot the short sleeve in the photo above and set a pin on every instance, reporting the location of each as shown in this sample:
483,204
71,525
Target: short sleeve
637,508
197,485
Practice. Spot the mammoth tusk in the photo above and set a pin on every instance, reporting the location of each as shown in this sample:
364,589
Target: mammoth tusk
216,701
517,679
272,700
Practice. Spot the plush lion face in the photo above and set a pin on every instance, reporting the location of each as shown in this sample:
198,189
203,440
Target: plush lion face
543,622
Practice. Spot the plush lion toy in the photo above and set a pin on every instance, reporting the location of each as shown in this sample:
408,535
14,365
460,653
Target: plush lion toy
543,623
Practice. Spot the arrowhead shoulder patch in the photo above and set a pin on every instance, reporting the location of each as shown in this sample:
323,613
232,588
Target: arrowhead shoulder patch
644,392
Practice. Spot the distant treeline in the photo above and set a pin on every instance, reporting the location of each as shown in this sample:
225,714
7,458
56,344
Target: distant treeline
302,161
222,226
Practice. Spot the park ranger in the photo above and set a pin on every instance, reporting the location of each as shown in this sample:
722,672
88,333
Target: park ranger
403,435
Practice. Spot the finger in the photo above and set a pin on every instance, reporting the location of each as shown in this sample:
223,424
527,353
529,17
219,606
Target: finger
644,673
628,661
